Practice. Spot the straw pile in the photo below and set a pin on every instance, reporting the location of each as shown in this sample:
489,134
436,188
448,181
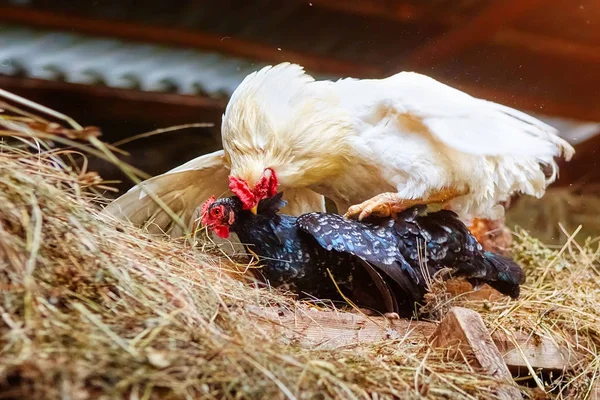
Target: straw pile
93,309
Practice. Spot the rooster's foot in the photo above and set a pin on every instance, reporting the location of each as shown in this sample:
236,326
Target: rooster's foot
383,205
389,204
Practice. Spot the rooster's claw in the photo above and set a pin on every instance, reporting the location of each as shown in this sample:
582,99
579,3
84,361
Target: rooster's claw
389,204
383,206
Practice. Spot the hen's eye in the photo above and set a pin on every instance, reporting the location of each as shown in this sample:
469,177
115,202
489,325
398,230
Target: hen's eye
216,211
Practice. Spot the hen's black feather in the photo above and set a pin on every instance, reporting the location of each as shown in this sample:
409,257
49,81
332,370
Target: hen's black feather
296,253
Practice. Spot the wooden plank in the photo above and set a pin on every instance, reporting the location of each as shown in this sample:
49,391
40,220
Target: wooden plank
181,37
332,330
463,288
171,109
462,334
183,106
102,104
497,15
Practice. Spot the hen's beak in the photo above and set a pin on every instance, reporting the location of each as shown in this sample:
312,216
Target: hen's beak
254,209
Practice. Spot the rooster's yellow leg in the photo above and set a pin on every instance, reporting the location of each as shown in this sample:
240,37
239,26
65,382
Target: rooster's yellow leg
389,204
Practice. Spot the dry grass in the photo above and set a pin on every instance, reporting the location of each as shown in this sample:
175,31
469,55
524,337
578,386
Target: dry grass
93,309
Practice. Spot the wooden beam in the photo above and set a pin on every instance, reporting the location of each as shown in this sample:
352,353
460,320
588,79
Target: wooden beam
479,29
106,91
462,334
123,113
93,104
181,105
181,37
332,330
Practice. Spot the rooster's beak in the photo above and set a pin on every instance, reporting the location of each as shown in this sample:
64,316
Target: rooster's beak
254,209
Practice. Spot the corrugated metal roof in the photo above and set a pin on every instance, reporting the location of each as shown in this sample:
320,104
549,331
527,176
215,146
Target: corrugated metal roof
80,59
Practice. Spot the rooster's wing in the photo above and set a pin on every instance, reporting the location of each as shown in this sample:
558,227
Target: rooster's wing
458,120
183,189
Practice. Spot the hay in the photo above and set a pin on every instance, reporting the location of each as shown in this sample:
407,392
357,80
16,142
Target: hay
95,309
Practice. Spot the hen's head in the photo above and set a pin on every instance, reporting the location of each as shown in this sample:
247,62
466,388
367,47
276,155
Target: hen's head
220,215
249,195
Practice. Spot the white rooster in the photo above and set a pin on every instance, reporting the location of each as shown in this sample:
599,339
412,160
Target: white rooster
373,146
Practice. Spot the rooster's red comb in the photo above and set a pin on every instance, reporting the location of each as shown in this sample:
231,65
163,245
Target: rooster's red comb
241,189
205,207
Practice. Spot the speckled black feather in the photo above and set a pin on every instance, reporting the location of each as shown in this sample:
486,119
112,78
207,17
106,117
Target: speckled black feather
296,252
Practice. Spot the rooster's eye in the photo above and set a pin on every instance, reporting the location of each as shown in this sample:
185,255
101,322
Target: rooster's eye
216,211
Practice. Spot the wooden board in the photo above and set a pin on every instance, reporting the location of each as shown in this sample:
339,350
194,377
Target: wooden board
463,335
329,330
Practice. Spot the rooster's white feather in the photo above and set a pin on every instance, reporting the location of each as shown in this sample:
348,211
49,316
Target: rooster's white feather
353,139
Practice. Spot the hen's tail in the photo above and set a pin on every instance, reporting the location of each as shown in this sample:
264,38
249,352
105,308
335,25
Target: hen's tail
501,273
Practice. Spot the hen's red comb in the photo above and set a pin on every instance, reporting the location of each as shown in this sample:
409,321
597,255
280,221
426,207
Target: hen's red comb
205,207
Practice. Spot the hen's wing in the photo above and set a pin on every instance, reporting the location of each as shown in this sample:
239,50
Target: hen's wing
183,189
376,245
389,298
457,119
447,242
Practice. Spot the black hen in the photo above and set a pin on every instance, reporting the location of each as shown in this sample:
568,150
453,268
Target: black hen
381,265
